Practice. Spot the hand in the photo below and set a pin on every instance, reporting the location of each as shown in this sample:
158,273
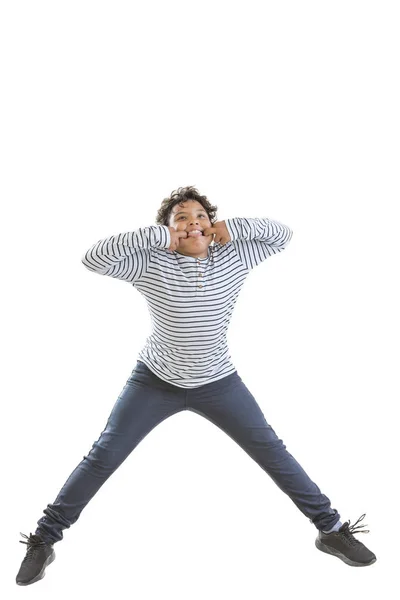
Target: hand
175,237
220,231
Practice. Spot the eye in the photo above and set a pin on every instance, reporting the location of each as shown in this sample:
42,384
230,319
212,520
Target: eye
183,217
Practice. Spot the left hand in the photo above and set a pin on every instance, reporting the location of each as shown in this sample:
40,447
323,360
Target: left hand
220,231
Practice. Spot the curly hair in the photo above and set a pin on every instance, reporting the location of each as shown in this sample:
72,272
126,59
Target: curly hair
178,197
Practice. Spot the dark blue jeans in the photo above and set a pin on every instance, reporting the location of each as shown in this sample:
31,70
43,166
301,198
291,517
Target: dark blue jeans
145,401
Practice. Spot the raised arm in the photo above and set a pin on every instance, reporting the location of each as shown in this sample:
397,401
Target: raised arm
257,239
126,255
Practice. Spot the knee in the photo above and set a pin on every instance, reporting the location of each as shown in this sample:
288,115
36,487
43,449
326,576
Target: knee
102,460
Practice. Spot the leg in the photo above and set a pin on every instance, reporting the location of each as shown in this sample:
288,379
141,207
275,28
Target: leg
144,402
229,404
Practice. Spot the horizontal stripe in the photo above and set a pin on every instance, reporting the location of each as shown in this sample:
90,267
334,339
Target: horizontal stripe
188,346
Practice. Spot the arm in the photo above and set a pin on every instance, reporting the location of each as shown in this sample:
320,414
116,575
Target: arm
257,239
126,255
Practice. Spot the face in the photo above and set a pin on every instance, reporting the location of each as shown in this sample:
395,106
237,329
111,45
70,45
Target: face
191,215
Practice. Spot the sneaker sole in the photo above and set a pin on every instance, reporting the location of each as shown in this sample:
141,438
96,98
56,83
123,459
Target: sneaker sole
338,554
40,575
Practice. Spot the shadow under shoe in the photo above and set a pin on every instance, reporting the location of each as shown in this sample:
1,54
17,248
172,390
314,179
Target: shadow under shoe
38,556
345,546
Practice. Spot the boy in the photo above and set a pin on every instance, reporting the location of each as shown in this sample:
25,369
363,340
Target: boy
190,268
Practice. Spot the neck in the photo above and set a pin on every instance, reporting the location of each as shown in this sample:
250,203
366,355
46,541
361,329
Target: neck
204,255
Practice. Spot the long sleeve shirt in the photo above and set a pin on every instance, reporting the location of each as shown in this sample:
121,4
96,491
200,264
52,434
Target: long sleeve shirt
190,299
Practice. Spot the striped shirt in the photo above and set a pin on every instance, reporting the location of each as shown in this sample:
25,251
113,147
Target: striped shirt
190,299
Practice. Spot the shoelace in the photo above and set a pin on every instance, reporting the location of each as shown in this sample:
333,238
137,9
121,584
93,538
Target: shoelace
33,543
347,531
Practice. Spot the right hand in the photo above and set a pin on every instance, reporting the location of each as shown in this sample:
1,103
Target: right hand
175,237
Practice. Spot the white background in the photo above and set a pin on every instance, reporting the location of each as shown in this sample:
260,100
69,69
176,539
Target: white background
285,110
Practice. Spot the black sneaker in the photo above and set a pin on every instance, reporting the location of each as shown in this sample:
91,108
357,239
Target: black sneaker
344,545
38,556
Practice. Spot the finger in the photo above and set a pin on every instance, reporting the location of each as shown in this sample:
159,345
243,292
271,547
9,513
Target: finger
209,231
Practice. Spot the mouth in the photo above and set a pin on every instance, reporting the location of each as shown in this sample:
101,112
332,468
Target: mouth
196,234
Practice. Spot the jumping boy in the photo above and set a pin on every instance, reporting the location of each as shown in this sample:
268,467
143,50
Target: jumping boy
190,268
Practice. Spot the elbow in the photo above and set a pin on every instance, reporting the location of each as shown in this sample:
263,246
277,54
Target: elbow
287,236
283,238
86,263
